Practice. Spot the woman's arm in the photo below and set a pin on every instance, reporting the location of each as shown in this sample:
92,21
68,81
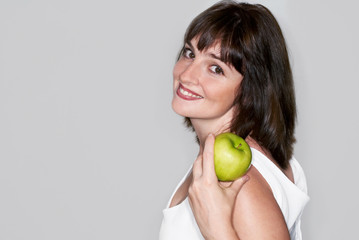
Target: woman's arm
232,212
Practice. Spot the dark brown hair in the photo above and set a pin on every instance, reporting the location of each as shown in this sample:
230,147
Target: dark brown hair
252,42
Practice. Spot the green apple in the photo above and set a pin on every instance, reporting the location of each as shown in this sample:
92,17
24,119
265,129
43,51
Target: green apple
232,156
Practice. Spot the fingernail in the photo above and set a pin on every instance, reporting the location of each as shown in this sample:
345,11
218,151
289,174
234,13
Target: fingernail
245,178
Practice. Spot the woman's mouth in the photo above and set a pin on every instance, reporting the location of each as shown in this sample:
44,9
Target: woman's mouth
187,94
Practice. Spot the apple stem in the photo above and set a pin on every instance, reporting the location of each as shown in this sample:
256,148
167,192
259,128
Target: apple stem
240,145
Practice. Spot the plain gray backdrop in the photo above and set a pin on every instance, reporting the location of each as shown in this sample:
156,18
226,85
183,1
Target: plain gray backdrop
89,145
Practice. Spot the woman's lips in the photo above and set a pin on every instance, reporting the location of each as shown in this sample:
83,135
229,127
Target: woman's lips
187,94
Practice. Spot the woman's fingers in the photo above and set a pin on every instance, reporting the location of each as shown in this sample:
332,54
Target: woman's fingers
236,186
208,160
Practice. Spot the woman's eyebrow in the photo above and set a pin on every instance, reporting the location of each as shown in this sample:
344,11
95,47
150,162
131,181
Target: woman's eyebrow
215,56
189,44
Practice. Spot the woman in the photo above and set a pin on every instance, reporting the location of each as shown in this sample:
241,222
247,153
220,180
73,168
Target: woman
233,75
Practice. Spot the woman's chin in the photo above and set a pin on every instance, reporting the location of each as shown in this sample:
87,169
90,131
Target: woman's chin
180,109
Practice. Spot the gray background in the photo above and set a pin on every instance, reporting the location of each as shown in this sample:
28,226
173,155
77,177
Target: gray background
89,145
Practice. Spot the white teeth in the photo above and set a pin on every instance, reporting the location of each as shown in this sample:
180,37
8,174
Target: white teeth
184,92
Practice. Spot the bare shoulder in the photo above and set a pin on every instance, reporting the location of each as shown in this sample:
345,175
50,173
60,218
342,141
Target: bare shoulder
256,213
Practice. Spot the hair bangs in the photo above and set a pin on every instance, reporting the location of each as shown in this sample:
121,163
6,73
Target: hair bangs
222,30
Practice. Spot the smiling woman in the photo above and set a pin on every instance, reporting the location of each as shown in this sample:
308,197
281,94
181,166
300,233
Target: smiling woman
233,75
202,77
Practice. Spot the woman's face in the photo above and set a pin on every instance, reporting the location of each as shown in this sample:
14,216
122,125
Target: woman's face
204,86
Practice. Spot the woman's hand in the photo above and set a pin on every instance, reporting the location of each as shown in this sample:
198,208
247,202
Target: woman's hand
212,202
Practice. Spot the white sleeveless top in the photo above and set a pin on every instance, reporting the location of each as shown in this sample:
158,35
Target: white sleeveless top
179,223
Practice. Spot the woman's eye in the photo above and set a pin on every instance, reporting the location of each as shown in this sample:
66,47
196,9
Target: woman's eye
188,53
216,69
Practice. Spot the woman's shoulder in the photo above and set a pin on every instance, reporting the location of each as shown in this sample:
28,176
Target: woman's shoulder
256,213
290,193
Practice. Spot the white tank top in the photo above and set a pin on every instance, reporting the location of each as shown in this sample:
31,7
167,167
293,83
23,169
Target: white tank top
179,223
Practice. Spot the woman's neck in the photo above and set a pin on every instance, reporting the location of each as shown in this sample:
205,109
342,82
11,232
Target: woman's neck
203,127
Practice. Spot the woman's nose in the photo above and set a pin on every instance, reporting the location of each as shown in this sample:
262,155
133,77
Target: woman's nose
190,73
